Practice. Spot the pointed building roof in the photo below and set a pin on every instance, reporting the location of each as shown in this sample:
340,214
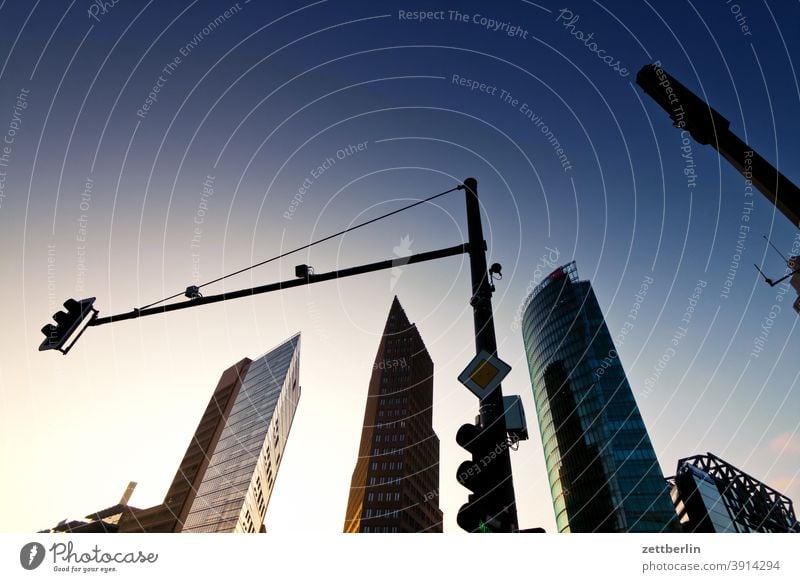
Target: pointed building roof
397,320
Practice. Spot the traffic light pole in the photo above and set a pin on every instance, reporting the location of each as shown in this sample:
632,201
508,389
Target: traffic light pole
492,413
491,507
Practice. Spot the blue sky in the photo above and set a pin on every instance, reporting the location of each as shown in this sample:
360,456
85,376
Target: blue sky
129,111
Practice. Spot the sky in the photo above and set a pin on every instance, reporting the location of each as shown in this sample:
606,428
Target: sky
152,146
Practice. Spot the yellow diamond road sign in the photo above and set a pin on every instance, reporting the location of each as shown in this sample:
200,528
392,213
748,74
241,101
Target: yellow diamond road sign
484,374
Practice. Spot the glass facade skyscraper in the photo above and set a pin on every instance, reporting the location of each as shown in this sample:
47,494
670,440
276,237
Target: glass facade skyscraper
226,476
601,466
236,486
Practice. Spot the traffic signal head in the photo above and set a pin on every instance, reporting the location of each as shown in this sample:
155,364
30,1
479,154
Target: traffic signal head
482,476
686,109
67,323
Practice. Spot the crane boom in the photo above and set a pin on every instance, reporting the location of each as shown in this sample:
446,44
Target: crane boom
708,127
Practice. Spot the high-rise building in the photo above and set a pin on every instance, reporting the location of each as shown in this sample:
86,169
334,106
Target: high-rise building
226,477
712,496
602,469
395,484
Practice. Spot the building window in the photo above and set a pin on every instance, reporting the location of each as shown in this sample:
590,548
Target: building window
371,497
374,466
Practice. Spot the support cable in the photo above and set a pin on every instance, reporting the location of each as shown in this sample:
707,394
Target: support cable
311,244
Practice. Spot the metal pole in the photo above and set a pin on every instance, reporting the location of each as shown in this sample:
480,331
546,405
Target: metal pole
341,274
491,407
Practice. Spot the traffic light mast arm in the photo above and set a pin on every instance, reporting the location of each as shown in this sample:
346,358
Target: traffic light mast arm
708,127
359,270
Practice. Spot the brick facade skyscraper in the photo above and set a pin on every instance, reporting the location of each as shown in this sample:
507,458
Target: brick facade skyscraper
395,484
